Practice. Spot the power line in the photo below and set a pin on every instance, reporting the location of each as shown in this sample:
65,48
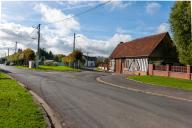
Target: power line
81,13
35,28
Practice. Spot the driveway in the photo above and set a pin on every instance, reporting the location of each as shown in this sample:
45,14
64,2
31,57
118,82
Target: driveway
82,102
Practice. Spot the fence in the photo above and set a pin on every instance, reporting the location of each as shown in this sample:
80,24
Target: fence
183,72
161,68
178,69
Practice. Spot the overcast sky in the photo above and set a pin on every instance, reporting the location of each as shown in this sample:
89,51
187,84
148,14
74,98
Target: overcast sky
98,31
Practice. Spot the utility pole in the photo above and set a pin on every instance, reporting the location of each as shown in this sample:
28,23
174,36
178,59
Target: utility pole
15,46
87,58
74,41
38,45
8,51
5,58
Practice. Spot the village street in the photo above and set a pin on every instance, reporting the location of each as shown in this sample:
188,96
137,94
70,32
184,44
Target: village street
82,102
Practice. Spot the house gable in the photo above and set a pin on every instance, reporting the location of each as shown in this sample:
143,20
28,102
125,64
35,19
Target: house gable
165,52
141,47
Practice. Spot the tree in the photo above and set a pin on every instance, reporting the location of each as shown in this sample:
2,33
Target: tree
58,57
14,58
19,50
106,61
68,59
76,57
45,54
28,55
100,60
180,22
50,55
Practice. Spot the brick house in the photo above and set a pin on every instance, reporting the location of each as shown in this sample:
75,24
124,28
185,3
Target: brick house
134,56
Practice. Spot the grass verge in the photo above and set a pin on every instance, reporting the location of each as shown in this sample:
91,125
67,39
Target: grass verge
52,68
17,107
164,81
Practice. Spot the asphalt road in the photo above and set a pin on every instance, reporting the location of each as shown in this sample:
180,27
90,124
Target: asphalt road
82,102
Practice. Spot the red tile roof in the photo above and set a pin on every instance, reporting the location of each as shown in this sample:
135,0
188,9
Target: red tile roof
138,47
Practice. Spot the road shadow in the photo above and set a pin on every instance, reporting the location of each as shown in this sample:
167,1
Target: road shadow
4,71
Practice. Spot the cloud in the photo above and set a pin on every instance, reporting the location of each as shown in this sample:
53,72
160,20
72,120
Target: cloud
101,47
56,37
114,4
0,12
118,4
71,2
50,15
152,8
76,4
57,44
21,34
5,18
121,30
164,27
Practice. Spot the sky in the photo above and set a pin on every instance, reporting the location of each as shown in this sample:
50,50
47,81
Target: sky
98,31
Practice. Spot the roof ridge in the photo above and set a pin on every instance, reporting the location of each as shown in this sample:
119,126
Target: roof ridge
140,38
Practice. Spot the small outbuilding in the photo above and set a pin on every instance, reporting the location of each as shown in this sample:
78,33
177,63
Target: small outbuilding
90,61
134,56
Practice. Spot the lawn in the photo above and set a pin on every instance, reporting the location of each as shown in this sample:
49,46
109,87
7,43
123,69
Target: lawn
164,81
54,68
17,107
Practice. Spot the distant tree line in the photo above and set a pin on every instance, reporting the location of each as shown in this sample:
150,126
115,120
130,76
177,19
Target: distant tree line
74,59
48,55
22,57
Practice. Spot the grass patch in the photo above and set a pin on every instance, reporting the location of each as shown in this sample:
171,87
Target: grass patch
53,68
58,68
17,108
164,81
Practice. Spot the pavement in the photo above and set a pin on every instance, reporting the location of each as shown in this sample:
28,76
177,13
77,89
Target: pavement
122,81
82,102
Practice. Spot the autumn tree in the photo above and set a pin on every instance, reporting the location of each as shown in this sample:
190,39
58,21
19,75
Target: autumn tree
29,54
78,55
75,58
68,59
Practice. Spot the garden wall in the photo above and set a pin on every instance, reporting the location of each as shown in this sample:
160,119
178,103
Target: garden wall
183,72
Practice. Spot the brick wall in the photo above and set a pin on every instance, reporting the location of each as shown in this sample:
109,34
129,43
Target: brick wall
183,72
118,66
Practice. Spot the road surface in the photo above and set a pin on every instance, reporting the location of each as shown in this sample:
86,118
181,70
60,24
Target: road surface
82,102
